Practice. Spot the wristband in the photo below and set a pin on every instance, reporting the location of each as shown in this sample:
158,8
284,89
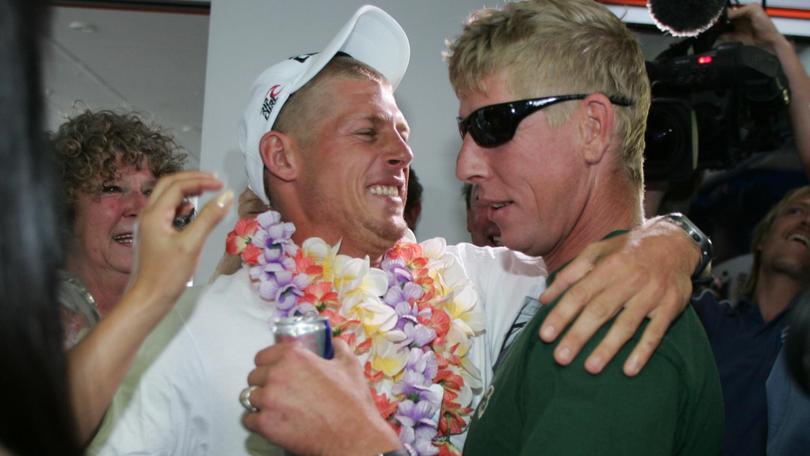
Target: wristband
699,238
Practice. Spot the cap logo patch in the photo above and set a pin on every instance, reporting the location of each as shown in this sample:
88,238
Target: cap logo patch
270,100
303,57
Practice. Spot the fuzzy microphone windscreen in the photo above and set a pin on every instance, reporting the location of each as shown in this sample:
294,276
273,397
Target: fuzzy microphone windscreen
685,17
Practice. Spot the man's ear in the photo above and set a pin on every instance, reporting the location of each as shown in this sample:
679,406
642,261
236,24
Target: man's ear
279,156
596,127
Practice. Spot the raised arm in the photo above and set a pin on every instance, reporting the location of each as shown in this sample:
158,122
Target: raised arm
642,274
165,260
753,26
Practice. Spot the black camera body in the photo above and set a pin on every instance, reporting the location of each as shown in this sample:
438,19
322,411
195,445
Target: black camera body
712,110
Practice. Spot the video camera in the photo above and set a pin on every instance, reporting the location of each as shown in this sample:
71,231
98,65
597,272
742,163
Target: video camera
712,108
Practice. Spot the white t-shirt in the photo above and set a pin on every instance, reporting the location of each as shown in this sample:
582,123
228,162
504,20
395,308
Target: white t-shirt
181,396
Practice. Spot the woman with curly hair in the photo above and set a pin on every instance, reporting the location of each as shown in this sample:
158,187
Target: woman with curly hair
109,163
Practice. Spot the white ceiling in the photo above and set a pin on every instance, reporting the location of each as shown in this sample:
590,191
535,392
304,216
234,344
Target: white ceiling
150,62
145,59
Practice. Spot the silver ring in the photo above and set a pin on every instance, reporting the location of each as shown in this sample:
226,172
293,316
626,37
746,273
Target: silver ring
244,399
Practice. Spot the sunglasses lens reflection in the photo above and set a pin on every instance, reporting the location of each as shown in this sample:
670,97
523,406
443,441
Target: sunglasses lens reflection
492,126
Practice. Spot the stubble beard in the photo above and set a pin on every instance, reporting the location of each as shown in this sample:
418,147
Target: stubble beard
371,235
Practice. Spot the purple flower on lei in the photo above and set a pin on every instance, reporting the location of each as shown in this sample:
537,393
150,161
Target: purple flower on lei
402,295
420,369
276,269
415,414
402,300
396,270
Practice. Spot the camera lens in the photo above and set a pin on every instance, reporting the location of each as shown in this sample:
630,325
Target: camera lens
183,219
664,135
669,140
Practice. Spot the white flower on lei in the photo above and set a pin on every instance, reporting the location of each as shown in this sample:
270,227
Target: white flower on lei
360,287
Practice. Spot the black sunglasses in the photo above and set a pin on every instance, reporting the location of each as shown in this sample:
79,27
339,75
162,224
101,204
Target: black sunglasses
496,124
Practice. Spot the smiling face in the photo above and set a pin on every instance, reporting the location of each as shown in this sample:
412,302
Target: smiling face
786,246
103,222
352,180
534,184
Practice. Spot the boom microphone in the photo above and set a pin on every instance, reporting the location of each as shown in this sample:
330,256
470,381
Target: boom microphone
685,17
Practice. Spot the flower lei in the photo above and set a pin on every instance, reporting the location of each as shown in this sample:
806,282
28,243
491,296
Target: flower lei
410,321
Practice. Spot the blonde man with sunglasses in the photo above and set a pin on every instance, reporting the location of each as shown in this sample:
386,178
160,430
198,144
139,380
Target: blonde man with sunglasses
553,98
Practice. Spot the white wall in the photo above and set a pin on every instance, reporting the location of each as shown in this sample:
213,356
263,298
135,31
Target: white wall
246,36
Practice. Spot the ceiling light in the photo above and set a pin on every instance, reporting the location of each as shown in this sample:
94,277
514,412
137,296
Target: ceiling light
80,26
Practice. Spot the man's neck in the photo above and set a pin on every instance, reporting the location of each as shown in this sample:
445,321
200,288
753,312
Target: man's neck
773,292
106,286
304,230
347,247
607,210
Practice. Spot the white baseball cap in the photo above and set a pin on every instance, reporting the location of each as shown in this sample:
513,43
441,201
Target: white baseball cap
371,36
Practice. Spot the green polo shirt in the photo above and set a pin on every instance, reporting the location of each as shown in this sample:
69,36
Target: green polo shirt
537,407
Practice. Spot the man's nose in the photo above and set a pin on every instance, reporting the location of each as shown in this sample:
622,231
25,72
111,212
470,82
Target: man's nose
471,164
398,153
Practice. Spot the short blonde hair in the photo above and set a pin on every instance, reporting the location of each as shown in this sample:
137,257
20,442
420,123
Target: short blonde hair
558,47
300,112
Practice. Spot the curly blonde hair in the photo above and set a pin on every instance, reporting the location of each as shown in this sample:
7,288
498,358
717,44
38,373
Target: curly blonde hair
89,146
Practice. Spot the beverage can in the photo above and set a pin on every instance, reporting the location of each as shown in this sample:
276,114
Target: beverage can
313,332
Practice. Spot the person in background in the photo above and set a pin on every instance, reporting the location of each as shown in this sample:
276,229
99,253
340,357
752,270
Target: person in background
797,345
763,408
753,26
109,163
413,201
483,231
164,262
728,204
787,390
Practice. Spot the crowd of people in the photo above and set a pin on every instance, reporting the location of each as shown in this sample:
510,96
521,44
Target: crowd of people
570,310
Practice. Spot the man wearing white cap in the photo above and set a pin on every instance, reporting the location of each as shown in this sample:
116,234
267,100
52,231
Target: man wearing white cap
334,161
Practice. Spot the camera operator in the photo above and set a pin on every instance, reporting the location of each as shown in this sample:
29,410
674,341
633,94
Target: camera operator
752,26
736,86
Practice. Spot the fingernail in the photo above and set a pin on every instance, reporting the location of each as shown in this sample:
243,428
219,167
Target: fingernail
548,333
225,198
594,364
564,355
631,368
